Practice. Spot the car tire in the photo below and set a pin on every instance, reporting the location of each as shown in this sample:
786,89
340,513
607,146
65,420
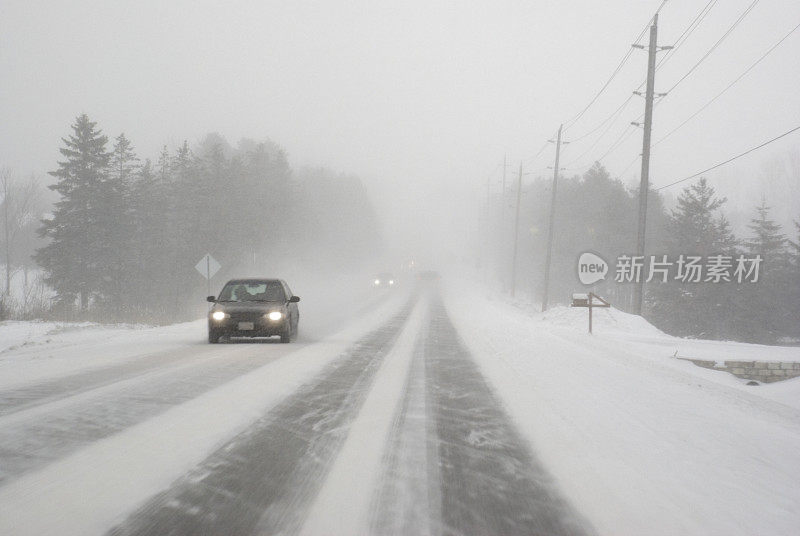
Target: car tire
286,335
213,336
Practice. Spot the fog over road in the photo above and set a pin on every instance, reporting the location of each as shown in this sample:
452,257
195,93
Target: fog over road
396,433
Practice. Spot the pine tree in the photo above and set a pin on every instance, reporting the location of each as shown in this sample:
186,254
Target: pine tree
72,258
767,238
769,300
697,228
118,221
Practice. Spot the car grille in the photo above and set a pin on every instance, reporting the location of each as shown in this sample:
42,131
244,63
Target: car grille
246,317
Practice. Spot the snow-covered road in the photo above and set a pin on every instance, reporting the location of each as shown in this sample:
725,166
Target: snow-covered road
433,412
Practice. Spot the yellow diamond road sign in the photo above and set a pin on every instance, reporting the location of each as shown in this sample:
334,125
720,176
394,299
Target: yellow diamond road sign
208,266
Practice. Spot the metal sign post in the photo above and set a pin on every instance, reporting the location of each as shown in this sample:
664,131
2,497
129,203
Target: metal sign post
587,300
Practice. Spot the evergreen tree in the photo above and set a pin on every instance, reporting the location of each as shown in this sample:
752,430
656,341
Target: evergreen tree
697,228
767,238
769,307
118,221
72,258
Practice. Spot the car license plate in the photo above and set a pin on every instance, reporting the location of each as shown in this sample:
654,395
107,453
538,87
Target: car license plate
244,326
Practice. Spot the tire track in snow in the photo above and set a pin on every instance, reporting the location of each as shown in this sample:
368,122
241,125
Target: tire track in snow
36,436
408,499
48,391
490,481
263,481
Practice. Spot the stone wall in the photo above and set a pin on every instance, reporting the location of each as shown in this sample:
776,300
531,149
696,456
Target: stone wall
762,371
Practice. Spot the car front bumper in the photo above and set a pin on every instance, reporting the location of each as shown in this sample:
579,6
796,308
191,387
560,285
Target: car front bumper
248,327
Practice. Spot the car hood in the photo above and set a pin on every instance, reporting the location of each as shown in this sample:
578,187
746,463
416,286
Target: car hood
245,307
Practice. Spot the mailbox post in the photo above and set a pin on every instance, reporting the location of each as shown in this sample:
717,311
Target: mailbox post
587,300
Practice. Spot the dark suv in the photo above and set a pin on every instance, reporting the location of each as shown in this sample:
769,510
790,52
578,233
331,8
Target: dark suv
254,308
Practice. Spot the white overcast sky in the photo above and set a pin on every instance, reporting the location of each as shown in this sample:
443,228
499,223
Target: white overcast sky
420,98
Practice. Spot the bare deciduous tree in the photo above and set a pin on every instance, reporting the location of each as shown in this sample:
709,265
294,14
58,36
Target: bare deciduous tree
20,202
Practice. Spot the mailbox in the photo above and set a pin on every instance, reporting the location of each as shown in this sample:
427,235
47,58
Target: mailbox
588,301
580,300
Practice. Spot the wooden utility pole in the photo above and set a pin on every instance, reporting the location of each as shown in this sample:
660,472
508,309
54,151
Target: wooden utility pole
516,234
644,185
503,198
503,237
552,223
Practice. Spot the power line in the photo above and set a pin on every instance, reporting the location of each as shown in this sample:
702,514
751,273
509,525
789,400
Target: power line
693,25
730,159
622,137
715,45
538,153
629,165
686,34
616,71
546,144
604,121
592,146
767,53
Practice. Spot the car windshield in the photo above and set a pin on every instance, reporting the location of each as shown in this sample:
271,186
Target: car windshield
252,291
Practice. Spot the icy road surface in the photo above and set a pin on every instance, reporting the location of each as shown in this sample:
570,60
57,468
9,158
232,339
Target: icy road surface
385,428
441,409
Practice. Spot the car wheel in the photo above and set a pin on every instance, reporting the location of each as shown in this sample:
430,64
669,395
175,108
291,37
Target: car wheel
296,329
286,335
213,336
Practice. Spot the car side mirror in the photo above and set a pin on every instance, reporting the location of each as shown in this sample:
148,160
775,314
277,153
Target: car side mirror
211,299
294,299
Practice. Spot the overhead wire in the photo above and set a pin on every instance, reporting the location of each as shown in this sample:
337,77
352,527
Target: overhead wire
604,121
729,160
715,45
616,71
750,68
685,35
687,32
592,146
682,38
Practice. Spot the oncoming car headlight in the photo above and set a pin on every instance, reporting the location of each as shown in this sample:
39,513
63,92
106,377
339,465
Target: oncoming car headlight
391,281
275,315
218,315
377,282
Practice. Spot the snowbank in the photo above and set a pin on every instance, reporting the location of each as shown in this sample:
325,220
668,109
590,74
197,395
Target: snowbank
640,442
37,351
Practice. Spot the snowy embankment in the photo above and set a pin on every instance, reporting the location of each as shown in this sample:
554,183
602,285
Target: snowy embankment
37,351
641,442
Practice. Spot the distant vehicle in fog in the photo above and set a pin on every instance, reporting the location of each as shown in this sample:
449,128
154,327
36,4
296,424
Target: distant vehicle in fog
384,279
428,275
254,308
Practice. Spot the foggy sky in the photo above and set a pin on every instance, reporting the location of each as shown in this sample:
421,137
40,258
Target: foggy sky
421,99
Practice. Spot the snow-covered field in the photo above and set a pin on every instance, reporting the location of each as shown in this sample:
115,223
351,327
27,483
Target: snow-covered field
638,442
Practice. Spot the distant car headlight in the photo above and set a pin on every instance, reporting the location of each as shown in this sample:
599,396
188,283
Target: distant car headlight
275,315
377,281
391,281
218,315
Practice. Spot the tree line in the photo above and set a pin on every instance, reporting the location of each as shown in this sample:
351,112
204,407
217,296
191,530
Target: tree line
597,213
123,237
